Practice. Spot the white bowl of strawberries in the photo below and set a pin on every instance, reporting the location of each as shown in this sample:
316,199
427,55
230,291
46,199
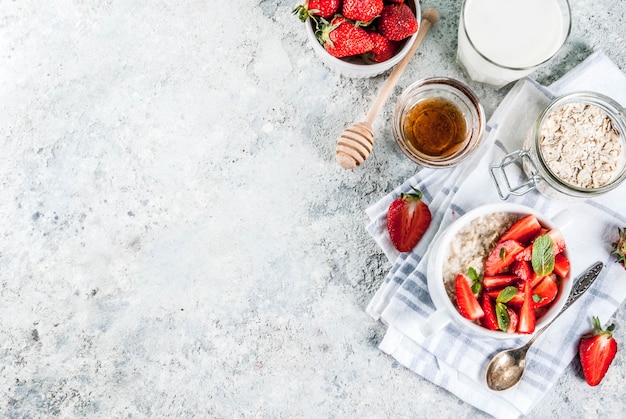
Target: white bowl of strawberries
499,271
360,38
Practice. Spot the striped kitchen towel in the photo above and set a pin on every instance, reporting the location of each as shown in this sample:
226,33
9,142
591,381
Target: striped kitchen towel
450,358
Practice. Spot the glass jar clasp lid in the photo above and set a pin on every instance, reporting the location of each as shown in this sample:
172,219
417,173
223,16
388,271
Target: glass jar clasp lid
527,180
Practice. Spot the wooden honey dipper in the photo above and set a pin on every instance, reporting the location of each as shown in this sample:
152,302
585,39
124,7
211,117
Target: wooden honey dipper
356,142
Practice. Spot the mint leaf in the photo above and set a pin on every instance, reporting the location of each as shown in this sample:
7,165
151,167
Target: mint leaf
502,315
506,294
476,285
537,298
543,255
502,253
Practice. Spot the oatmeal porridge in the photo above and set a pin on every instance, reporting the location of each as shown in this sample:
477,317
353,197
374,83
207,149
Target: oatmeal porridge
472,244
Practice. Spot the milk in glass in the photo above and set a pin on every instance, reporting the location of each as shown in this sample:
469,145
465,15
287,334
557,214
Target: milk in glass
504,40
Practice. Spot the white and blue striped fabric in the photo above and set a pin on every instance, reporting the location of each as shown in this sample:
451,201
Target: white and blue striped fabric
450,358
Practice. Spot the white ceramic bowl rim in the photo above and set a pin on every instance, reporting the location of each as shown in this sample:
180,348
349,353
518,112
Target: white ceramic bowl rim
435,276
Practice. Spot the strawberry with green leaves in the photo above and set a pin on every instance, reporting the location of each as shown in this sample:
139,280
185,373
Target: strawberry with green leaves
596,351
408,218
362,10
397,21
342,38
325,9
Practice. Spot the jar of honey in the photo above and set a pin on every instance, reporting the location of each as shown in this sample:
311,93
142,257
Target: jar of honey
438,122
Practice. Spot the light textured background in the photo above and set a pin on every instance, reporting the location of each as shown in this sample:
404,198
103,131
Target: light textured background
176,238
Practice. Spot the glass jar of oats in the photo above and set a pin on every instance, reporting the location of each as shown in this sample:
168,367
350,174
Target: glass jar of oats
575,150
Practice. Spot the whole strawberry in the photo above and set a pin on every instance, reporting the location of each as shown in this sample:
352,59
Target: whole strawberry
597,351
317,8
361,10
408,219
397,22
342,38
383,49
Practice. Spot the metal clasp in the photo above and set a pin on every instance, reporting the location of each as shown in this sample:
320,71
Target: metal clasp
499,172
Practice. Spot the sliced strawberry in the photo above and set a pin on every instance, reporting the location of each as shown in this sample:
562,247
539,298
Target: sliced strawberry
545,292
513,320
523,270
489,320
597,351
523,230
465,299
527,318
561,265
502,256
498,281
516,301
408,219
557,239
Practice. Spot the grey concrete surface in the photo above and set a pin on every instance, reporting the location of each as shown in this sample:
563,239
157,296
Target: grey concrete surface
176,239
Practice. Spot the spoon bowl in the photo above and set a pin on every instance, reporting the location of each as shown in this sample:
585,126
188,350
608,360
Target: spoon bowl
506,368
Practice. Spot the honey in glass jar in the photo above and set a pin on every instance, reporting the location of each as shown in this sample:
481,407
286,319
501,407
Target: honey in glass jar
435,127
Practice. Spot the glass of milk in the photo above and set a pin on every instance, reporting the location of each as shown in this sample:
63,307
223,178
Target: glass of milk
501,41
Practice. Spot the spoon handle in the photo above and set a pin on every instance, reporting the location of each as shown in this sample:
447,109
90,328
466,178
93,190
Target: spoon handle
430,16
582,284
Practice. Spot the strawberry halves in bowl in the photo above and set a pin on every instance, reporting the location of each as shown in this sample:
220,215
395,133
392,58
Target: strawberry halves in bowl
501,271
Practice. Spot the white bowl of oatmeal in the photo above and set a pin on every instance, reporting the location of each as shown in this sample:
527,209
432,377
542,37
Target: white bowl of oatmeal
466,243
575,150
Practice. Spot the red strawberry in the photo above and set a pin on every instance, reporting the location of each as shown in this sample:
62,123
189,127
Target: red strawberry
397,21
361,10
320,8
408,218
516,301
527,320
513,320
383,49
502,256
557,239
465,299
545,292
597,351
561,265
489,320
342,38
523,270
498,281
523,230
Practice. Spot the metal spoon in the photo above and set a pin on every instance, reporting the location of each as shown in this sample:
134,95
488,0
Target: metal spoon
507,367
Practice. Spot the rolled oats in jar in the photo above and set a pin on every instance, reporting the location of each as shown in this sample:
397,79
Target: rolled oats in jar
577,148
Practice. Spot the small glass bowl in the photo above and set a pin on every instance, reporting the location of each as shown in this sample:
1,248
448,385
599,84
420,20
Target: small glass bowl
453,92
355,67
